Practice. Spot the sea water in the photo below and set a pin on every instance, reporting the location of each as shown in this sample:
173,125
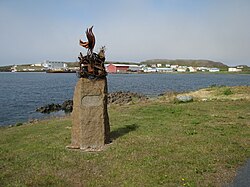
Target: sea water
22,93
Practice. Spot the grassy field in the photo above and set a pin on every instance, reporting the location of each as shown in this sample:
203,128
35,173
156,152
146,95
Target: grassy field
155,143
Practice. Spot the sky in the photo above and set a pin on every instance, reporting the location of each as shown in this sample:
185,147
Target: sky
132,30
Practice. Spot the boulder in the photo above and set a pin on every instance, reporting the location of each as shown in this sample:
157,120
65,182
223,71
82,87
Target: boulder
184,98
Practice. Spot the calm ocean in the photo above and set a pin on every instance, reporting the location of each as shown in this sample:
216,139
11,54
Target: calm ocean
22,93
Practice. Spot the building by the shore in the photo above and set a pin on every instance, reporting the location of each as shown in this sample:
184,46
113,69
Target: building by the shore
234,69
122,68
214,70
54,65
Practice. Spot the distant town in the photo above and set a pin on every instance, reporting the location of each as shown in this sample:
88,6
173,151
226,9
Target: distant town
149,66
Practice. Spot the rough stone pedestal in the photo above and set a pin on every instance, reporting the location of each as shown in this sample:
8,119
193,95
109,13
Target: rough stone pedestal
90,124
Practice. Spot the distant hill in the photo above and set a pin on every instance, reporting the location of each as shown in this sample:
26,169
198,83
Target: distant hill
5,68
129,63
76,64
184,62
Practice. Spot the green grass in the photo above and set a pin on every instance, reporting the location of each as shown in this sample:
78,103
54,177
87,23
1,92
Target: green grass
154,144
227,91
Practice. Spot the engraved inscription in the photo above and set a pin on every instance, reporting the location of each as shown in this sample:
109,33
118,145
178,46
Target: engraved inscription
92,100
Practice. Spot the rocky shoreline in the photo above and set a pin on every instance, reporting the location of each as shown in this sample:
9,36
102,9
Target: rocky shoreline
66,106
119,98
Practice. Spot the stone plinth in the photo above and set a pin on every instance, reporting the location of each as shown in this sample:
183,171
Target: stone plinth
90,121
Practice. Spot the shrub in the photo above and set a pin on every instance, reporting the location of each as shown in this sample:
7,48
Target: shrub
227,91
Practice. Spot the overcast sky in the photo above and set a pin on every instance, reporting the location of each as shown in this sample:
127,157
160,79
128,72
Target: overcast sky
132,30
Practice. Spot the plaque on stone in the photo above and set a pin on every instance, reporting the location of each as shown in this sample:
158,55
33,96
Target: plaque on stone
90,122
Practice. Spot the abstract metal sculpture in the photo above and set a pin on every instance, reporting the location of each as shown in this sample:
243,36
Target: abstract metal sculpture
91,65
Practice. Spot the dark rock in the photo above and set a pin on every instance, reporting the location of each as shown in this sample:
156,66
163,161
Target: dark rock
67,106
49,108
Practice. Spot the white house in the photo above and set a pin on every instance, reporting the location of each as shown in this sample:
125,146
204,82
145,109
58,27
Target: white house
54,65
14,68
202,69
174,66
149,70
134,67
234,69
36,65
214,70
240,67
164,70
192,69
182,69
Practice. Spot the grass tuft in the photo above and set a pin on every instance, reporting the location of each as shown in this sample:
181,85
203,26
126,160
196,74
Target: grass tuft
227,91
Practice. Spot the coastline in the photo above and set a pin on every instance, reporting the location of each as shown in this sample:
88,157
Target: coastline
120,73
162,133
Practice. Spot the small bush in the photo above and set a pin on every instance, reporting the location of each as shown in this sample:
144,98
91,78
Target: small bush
19,124
227,91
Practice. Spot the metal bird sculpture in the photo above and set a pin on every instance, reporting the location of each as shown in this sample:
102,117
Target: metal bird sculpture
92,65
90,44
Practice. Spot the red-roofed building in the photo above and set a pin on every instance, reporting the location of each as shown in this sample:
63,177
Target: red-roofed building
117,68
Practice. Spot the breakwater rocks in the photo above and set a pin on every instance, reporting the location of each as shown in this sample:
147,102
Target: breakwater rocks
66,106
119,98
